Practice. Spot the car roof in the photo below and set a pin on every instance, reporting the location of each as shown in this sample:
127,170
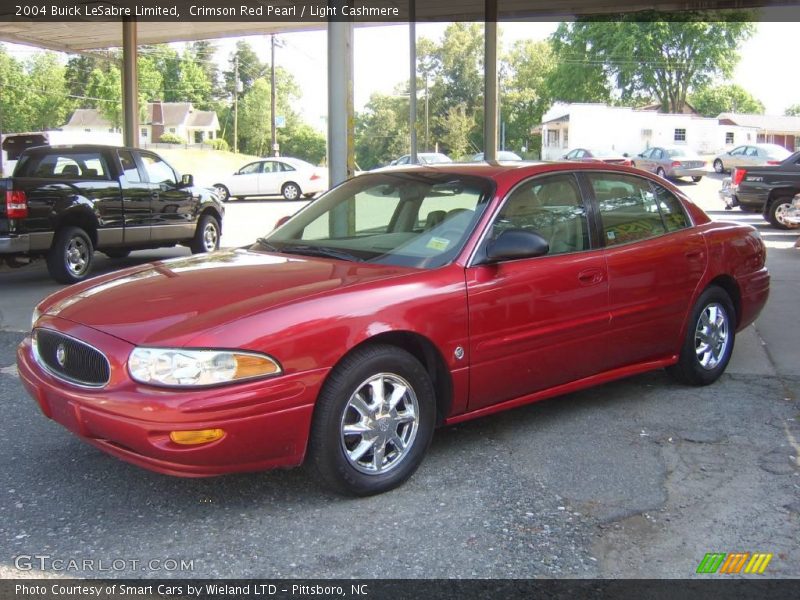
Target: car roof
76,147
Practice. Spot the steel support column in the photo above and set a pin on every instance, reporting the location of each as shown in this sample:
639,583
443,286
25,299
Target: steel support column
412,79
341,150
130,84
490,82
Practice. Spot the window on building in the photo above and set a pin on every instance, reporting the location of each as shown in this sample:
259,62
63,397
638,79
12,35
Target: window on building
728,137
565,140
88,130
552,138
680,135
172,130
144,132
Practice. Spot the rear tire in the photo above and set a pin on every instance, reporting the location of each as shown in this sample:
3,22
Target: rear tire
696,179
661,173
776,212
710,336
222,192
373,421
291,191
71,254
718,166
206,236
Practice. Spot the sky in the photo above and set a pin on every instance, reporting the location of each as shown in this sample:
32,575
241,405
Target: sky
761,70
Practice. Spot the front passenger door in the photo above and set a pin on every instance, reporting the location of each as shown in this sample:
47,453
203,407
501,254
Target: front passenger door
172,207
536,323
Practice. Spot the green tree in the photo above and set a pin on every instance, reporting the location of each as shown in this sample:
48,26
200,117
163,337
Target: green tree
47,93
576,76
203,52
457,126
255,119
525,95
792,111
660,55
106,87
300,140
77,72
713,100
15,112
191,84
250,67
381,131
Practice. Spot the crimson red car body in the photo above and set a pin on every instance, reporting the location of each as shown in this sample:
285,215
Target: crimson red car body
493,336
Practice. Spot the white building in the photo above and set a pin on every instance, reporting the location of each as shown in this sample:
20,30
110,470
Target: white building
630,131
178,118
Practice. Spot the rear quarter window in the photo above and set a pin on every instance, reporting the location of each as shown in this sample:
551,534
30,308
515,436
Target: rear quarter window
64,165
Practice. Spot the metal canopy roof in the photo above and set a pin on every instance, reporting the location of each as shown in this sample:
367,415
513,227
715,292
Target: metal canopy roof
79,35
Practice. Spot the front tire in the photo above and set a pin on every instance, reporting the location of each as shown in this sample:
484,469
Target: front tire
71,254
777,211
291,191
206,236
710,336
718,166
373,422
697,179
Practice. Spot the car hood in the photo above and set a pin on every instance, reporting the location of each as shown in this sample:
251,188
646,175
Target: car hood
172,301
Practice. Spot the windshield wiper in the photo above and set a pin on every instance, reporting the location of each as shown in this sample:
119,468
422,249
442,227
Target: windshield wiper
320,251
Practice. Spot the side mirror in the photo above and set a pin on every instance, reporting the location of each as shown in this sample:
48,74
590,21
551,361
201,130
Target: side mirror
187,180
516,243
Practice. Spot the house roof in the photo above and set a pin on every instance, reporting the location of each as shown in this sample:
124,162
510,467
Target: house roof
172,114
776,123
87,117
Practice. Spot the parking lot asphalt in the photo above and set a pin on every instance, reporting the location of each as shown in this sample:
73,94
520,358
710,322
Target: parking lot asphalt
637,478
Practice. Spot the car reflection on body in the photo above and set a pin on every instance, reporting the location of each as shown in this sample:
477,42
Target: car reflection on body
397,302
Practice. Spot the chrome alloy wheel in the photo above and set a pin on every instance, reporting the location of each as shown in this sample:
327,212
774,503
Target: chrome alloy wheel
210,236
379,424
77,256
781,212
711,336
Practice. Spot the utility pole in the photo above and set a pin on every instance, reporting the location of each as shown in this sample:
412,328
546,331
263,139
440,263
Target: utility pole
272,98
427,128
236,104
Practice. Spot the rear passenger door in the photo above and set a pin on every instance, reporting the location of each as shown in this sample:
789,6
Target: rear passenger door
536,323
655,261
135,200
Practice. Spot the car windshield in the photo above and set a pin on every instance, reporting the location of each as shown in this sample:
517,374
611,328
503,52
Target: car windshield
419,220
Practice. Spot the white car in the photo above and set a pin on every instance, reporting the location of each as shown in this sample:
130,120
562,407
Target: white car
284,176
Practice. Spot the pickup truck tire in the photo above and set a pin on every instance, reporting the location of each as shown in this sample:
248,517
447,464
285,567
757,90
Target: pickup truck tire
70,257
776,212
206,236
117,253
710,335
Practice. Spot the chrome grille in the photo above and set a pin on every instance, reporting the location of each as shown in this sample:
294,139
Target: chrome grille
70,359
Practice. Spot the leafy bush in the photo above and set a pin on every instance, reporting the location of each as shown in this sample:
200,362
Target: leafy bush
170,138
218,144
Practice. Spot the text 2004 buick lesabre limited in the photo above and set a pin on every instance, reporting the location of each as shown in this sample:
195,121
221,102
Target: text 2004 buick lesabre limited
398,301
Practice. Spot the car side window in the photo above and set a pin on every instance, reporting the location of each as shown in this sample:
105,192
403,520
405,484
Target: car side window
129,168
251,169
66,165
157,170
752,151
671,209
657,154
628,208
551,206
738,151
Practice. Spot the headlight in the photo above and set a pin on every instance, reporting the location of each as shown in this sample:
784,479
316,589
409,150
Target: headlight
35,317
178,367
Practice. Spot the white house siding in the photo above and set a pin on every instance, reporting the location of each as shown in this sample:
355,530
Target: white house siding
629,131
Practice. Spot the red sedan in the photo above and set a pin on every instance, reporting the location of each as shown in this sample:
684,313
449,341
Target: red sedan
397,302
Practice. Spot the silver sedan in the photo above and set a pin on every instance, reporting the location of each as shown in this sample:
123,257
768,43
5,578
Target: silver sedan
671,162
750,155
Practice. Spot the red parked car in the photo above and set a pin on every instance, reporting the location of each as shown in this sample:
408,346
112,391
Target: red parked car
397,302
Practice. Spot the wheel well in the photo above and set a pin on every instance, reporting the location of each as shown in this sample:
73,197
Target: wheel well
297,185
213,212
82,220
728,283
781,193
426,353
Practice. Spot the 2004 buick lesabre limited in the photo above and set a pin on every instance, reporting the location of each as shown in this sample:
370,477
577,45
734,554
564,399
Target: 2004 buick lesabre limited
398,301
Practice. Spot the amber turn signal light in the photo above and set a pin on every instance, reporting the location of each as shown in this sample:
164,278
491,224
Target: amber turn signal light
199,436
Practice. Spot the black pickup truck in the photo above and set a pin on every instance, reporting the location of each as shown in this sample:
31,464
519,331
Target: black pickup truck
767,189
66,202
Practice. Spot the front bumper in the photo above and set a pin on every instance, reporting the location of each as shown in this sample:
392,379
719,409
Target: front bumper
266,422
